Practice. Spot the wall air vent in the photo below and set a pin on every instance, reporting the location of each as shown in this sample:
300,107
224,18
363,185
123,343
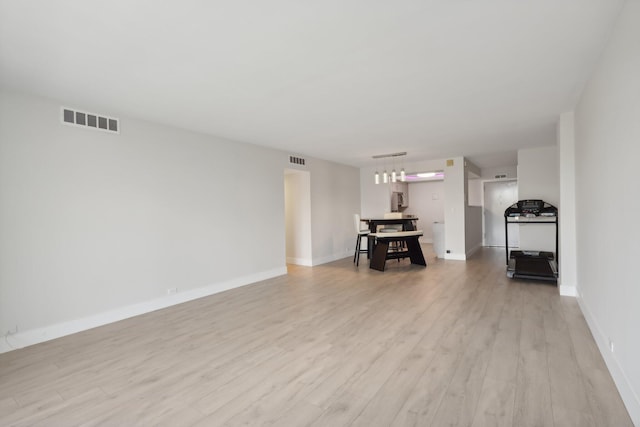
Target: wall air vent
84,119
296,160
500,176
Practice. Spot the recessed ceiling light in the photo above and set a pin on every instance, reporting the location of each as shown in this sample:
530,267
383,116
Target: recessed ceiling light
426,174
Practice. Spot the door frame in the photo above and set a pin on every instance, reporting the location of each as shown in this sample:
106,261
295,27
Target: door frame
301,217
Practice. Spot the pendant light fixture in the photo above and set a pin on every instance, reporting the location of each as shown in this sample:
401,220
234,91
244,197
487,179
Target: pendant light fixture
376,175
385,175
394,176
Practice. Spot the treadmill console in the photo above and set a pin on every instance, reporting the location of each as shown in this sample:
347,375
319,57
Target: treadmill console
530,209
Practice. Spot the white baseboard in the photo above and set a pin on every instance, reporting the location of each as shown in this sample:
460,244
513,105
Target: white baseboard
330,258
300,261
567,288
568,291
46,333
456,257
627,393
322,260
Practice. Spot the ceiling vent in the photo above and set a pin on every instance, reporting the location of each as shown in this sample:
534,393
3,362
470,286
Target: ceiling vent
500,176
89,120
296,160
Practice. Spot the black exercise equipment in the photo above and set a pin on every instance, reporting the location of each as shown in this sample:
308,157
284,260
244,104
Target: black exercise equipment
526,264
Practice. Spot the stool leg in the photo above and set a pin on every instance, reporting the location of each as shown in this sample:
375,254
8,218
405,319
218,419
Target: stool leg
357,247
358,250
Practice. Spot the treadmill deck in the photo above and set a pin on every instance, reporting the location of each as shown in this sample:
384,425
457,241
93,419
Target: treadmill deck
532,265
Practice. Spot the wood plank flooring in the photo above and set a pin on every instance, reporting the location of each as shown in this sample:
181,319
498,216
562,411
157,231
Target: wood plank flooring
455,344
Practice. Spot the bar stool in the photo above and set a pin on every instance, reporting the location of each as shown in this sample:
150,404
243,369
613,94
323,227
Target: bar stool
360,234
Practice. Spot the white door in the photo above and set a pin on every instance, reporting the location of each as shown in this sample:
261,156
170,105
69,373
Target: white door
498,196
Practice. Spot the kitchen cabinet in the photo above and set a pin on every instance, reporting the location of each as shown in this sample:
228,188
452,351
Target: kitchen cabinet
399,196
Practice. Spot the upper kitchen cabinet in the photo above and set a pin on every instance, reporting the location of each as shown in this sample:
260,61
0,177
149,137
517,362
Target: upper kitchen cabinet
399,196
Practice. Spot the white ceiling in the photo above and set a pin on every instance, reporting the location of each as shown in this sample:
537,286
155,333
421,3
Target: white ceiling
335,79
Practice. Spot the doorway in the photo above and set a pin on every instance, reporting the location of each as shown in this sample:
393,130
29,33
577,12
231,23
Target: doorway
498,196
297,216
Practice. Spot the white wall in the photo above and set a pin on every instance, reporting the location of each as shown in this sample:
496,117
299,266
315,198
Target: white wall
475,192
97,227
567,281
473,214
426,201
455,197
538,174
297,201
473,229
538,178
376,200
607,150
511,171
335,197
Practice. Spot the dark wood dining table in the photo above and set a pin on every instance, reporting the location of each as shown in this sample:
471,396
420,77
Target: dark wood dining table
408,224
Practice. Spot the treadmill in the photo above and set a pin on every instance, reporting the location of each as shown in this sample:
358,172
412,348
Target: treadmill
531,264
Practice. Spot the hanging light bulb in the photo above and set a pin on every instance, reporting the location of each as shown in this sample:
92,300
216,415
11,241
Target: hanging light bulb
394,176
386,177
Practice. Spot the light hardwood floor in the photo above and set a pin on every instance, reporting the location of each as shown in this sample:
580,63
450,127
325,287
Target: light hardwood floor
455,344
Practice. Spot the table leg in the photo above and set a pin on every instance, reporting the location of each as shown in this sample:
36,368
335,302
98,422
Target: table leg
415,251
379,257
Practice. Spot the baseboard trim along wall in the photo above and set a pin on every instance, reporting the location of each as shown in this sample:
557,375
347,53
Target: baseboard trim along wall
568,291
331,258
627,393
46,333
300,261
455,257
